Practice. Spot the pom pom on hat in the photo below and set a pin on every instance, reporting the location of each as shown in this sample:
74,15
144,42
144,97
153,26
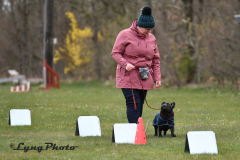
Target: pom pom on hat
146,10
146,19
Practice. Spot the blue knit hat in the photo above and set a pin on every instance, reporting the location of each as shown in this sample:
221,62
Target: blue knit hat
146,19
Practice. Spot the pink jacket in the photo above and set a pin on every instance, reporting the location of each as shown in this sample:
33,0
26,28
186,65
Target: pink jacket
133,47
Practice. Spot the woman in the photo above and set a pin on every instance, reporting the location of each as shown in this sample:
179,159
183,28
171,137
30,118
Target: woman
136,48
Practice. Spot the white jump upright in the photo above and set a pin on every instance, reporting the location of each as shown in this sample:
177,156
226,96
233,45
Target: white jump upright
124,133
201,142
20,117
88,126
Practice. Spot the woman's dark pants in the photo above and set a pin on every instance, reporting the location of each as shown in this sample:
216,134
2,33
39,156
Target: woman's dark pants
132,113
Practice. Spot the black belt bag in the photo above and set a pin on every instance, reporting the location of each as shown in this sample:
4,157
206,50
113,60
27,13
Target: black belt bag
144,73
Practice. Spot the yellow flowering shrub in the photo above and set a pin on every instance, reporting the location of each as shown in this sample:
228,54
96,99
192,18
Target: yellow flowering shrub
75,50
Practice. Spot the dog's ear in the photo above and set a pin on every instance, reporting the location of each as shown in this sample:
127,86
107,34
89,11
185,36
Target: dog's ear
173,104
163,103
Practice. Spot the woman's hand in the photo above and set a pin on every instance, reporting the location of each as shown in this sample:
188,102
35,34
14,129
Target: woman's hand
130,67
158,84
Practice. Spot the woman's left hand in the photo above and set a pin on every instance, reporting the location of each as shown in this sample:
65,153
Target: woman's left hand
158,84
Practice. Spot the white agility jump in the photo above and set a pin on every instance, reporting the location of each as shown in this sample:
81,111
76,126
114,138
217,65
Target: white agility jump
21,88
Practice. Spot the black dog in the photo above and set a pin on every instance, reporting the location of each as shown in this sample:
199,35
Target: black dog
164,120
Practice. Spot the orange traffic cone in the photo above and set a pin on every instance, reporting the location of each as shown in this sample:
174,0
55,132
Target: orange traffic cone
140,137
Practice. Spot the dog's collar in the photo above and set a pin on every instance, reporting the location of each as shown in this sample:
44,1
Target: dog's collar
165,116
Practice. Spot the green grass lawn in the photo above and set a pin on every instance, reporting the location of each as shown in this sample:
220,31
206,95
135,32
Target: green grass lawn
54,113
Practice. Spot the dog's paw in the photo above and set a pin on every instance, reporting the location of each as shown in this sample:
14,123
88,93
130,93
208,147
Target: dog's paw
173,135
155,134
160,136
